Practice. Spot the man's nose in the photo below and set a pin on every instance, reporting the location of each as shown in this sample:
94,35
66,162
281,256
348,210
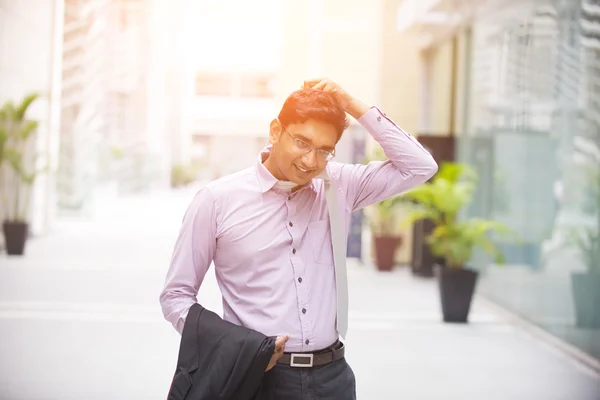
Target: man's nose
310,159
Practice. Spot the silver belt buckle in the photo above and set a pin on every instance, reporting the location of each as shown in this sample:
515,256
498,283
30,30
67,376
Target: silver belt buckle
301,360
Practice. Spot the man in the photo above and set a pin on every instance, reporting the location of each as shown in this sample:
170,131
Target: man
267,229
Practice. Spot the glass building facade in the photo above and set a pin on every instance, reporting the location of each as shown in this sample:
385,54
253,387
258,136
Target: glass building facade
531,126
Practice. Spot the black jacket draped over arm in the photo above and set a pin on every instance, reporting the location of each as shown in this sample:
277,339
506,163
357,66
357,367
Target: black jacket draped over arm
218,359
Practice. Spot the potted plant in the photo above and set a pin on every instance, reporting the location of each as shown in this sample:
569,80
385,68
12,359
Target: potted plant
453,239
586,285
16,136
384,224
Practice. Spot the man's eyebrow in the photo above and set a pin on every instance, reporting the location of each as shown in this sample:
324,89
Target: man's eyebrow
301,136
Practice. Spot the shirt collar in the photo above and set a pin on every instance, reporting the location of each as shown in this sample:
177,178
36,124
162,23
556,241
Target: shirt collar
267,181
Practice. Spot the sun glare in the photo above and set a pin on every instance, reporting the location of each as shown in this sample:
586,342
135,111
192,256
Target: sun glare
234,34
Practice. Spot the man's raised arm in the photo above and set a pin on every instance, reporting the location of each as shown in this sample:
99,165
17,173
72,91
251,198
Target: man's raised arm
408,164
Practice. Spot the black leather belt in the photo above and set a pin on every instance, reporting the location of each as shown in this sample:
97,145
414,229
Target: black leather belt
321,357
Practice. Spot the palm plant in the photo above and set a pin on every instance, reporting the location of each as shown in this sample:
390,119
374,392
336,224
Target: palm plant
383,216
453,239
16,133
383,220
441,201
16,144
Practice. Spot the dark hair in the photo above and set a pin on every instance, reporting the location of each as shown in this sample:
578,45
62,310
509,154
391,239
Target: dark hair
305,104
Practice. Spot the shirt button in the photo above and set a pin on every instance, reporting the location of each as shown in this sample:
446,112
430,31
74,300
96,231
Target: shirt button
294,251
289,197
379,119
307,341
291,224
300,280
304,311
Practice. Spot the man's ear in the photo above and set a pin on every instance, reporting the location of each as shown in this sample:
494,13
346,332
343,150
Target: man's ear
275,131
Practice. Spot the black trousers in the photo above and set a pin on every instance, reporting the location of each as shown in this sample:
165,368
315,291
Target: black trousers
333,381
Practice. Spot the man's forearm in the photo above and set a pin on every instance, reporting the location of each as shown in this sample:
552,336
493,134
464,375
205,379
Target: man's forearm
401,148
409,164
356,108
404,151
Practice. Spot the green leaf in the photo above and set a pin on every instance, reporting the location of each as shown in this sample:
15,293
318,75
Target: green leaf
25,130
383,216
441,200
16,133
22,108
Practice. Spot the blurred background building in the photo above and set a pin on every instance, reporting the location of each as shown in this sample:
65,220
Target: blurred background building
143,88
108,95
516,85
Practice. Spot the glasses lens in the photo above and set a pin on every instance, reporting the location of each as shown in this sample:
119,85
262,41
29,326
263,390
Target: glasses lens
325,155
301,145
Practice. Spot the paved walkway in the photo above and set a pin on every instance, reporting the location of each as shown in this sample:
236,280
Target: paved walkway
79,318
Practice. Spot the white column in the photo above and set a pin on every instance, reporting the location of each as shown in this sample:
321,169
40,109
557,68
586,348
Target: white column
29,36
44,196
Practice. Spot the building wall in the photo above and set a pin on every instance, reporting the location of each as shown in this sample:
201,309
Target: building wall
532,134
341,40
30,48
441,87
462,84
401,72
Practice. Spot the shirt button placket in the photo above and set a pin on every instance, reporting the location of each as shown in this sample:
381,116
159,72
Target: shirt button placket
297,270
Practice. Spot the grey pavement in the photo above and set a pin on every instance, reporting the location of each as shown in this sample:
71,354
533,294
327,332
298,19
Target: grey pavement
80,319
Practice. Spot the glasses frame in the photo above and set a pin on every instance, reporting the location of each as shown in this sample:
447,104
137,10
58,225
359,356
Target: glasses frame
306,148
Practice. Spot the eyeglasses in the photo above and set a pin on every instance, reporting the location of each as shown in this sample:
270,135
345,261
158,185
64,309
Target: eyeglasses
306,148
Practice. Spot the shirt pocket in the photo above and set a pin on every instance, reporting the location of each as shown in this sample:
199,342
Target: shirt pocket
319,235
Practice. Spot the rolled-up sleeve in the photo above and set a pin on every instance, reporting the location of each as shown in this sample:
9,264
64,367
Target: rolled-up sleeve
192,255
408,165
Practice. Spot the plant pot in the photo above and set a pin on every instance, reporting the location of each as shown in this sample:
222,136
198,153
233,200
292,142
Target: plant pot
15,236
586,296
422,259
385,251
456,291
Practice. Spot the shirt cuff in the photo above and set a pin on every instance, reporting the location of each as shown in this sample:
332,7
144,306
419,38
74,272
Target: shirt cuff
377,123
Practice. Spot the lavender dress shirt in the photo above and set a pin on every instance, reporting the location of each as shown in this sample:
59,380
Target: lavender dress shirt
272,248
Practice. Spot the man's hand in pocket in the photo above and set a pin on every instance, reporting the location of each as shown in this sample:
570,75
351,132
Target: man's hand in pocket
278,352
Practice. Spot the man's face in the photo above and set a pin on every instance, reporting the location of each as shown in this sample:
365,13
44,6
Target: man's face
300,150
